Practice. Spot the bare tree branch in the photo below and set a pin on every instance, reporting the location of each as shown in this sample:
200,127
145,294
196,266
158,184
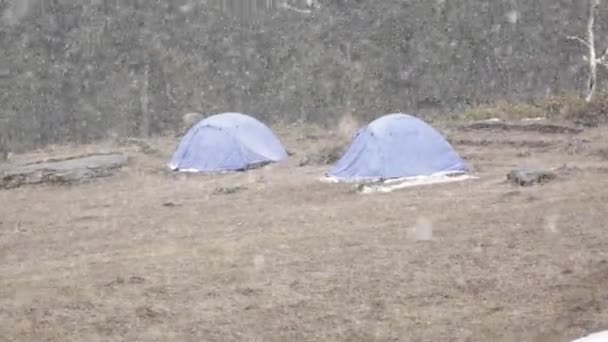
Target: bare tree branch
592,55
604,58
578,39
289,7
589,42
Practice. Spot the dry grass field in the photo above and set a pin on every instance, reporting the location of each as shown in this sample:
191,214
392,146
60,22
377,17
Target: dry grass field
275,255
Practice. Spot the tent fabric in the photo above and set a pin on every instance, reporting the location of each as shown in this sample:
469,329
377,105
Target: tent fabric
227,142
397,146
601,336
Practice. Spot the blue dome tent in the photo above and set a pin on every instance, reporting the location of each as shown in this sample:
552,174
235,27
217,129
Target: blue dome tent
397,146
227,142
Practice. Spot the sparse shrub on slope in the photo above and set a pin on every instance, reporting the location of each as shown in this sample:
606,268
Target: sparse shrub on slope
592,113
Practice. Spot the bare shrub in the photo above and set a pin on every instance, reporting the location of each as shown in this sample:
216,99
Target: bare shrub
189,120
560,105
593,113
344,132
347,127
336,143
327,155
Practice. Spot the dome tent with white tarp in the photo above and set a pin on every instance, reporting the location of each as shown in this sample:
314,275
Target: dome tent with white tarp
398,148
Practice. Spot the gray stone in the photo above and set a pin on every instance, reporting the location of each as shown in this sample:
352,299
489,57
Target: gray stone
526,177
62,171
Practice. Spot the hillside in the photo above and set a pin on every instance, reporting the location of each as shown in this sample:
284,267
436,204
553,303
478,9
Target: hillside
76,71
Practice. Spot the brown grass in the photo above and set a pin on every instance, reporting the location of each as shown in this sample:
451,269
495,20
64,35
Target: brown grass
153,256
569,106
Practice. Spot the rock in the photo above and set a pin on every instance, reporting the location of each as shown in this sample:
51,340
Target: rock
62,171
523,177
228,190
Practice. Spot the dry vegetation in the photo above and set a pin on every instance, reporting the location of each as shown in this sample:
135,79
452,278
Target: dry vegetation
275,255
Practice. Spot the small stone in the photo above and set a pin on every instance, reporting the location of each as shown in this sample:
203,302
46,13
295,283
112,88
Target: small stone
228,190
523,177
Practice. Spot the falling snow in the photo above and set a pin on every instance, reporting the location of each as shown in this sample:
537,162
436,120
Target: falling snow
100,240
513,16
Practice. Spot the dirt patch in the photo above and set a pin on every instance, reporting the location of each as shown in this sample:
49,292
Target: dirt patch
582,299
